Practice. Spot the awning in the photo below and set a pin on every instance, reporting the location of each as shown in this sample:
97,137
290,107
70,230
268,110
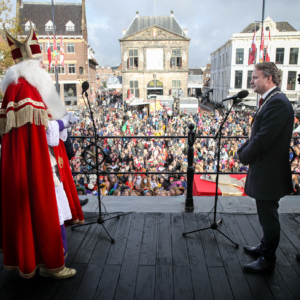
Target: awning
138,101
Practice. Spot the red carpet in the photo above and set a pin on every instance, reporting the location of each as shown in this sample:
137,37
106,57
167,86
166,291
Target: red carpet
206,188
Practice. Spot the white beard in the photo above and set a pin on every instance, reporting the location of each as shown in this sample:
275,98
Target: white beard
41,80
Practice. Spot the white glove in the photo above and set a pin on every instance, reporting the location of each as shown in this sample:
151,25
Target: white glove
69,120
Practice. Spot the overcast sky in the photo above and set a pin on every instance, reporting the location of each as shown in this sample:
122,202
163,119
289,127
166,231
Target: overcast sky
210,23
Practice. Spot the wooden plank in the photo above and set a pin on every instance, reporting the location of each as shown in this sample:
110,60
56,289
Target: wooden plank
257,283
163,249
253,239
117,250
211,250
278,286
108,283
89,284
199,273
179,246
292,234
183,288
128,275
74,243
88,244
163,282
148,249
292,279
220,284
235,274
145,285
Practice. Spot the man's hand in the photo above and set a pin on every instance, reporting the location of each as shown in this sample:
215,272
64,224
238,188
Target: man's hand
69,119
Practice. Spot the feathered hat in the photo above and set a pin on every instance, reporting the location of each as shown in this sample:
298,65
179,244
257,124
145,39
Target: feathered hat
29,49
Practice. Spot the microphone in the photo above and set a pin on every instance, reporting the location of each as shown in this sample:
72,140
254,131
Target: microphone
85,86
240,95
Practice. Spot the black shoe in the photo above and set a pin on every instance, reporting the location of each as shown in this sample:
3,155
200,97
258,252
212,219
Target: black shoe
83,202
260,266
254,251
298,256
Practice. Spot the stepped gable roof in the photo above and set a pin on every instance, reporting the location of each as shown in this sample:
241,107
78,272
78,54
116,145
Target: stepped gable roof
41,12
280,26
141,23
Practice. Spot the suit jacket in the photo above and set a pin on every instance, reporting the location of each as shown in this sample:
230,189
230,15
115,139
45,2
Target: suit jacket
267,151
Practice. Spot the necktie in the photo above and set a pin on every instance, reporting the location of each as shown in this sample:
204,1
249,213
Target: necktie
260,101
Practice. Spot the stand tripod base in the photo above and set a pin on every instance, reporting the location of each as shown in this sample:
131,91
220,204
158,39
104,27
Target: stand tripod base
214,226
101,221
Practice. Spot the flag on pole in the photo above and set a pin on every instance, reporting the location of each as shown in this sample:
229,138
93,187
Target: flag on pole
262,46
268,47
252,53
55,53
62,52
49,53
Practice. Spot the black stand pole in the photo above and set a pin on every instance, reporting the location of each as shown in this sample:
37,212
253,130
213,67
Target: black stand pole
214,224
100,219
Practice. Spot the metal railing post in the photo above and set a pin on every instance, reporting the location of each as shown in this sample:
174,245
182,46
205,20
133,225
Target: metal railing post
189,200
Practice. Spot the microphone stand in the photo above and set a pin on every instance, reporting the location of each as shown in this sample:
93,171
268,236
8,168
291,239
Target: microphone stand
214,224
100,219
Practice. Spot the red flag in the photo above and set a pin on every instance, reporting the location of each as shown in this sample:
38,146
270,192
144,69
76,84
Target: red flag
252,53
55,53
62,52
268,47
262,46
49,53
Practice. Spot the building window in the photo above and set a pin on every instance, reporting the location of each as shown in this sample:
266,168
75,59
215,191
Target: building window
41,47
279,56
134,89
51,47
176,59
60,69
80,70
239,56
27,26
291,80
70,48
175,84
49,26
249,79
70,94
133,60
71,69
294,56
238,79
70,26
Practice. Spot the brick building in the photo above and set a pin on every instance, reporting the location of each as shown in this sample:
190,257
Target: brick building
155,55
70,24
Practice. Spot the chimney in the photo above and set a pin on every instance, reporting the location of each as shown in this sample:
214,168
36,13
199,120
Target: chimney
172,13
186,31
123,31
137,13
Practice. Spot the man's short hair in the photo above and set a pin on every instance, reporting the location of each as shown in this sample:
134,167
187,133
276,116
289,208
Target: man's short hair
270,69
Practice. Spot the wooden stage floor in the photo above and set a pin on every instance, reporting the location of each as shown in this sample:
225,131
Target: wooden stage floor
152,260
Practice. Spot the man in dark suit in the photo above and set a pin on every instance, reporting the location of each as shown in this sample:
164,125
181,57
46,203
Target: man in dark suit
267,154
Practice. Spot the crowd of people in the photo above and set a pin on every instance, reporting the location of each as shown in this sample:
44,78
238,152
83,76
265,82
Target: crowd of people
124,153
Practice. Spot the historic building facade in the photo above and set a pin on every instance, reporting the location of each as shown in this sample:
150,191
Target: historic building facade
155,56
70,23
231,73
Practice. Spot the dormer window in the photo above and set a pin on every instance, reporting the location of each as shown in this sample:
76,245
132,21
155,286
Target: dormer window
27,26
49,26
70,26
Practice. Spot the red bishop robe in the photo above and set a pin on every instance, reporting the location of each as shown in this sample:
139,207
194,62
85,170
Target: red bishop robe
30,234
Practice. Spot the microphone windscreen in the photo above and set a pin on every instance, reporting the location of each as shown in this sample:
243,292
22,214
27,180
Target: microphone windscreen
85,86
243,94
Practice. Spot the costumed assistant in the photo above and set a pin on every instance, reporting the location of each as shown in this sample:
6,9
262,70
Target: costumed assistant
38,196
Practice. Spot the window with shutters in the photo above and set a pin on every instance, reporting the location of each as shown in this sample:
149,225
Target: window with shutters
176,59
134,88
133,60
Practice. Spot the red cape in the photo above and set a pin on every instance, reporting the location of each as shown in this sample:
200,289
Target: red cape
30,234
